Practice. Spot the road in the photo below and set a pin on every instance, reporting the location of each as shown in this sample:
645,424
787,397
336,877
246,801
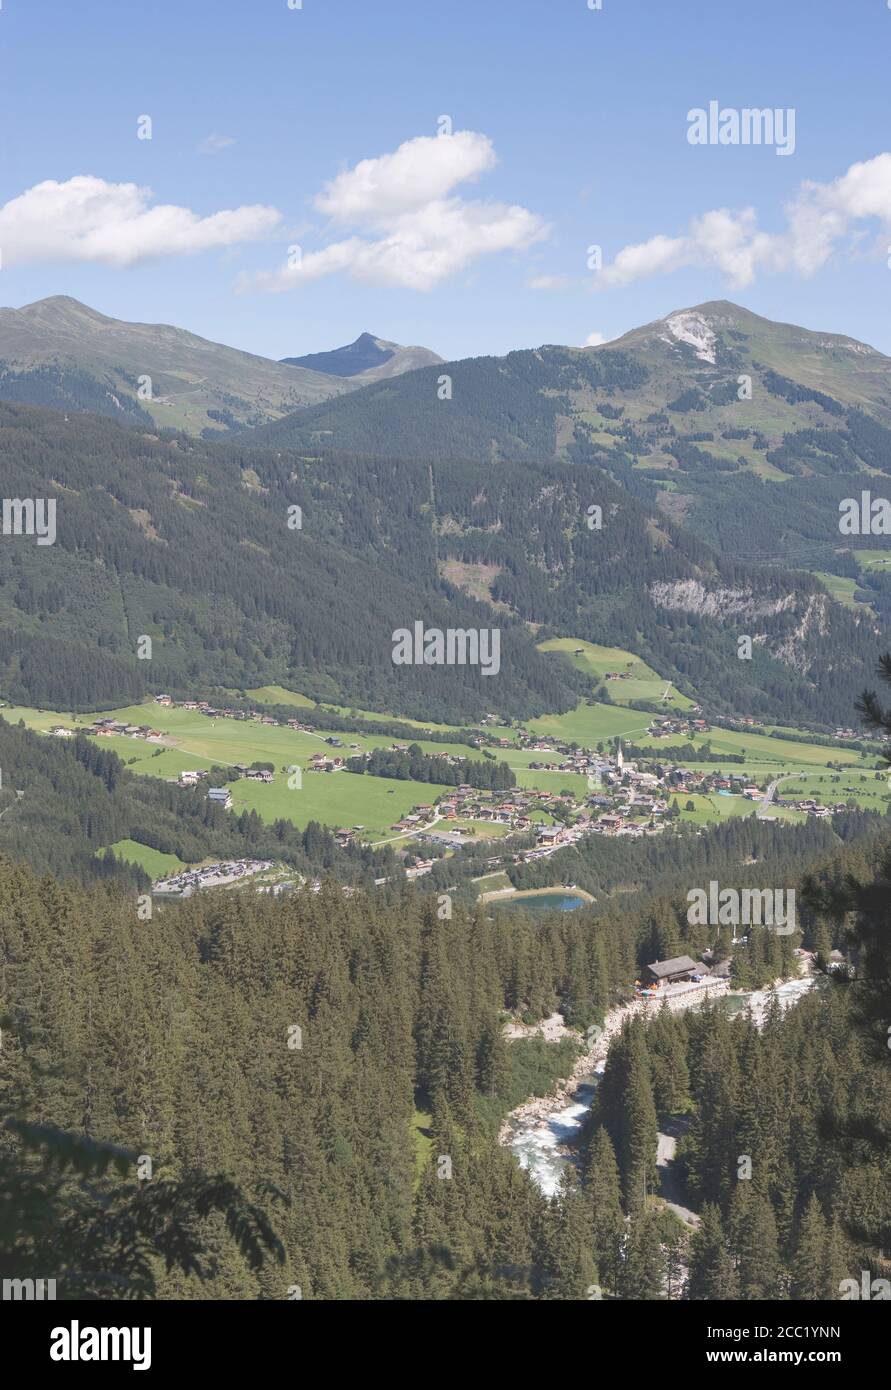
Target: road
764,804
669,1188
407,834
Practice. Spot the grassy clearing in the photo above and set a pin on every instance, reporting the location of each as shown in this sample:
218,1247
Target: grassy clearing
643,682
277,695
709,809
336,799
591,724
154,861
828,788
841,589
872,559
37,718
492,883
761,750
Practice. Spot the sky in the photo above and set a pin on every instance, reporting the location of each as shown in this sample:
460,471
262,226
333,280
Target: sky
436,173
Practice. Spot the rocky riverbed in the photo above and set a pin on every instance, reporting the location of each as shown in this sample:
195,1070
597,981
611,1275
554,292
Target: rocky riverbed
540,1130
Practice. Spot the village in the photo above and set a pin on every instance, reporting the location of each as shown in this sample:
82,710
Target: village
623,798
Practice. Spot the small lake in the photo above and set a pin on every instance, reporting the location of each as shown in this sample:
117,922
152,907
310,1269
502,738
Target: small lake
542,902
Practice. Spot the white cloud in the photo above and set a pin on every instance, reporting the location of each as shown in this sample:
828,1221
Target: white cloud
213,143
595,340
406,229
820,219
87,219
419,172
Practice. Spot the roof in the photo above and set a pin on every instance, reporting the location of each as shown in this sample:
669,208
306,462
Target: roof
672,967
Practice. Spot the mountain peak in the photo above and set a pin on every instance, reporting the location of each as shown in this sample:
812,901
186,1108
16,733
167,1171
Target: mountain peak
61,308
368,357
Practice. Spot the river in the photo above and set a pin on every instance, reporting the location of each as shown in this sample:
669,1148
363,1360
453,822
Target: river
538,1131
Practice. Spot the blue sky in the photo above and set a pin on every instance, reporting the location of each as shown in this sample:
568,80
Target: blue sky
572,131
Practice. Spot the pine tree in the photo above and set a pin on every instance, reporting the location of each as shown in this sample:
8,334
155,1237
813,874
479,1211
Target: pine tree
712,1275
752,1238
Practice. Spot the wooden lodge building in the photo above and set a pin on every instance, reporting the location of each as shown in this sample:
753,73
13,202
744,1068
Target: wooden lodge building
672,972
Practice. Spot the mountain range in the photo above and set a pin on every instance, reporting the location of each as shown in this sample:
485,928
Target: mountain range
61,353
715,446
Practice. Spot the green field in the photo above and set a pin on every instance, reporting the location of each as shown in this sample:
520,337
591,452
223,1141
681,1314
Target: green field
760,750
708,809
872,559
155,863
841,589
643,683
591,724
335,799
827,788
554,782
277,695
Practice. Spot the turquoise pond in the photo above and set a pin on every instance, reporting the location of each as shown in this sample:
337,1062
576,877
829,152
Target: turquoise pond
543,902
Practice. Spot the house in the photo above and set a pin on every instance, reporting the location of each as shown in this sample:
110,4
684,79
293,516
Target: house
221,796
836,964
668,972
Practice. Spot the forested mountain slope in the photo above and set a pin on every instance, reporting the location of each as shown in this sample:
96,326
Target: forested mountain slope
368,1134
190,544
750,432
193,544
